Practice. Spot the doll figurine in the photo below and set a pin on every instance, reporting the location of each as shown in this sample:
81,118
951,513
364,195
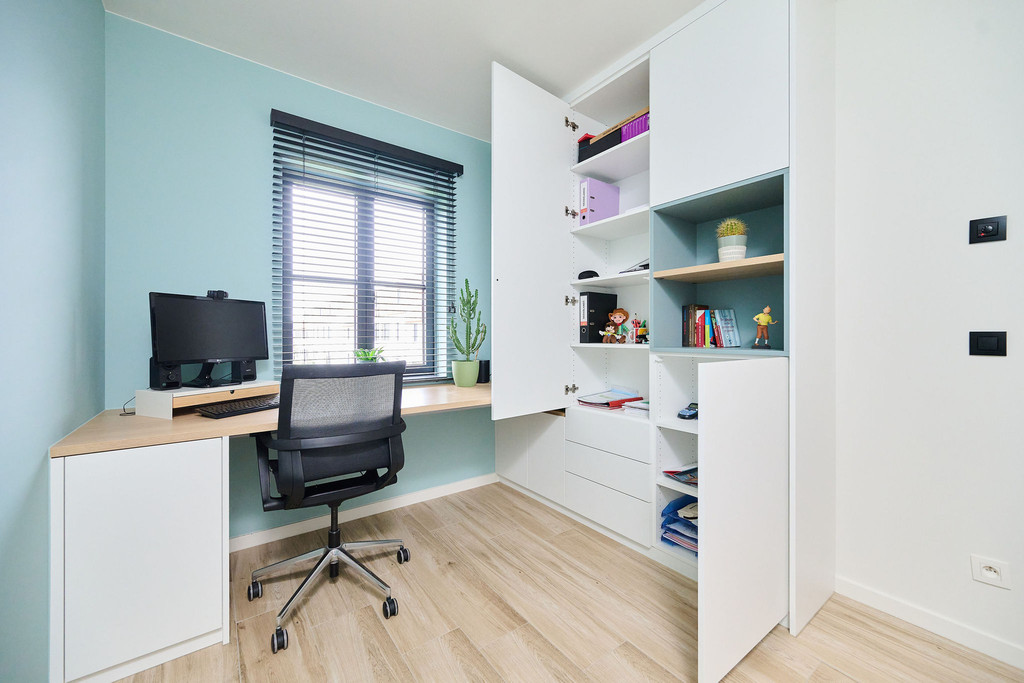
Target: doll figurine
618,317
763,320
608,334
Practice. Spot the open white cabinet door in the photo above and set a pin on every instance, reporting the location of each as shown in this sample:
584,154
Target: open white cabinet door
531,152
743,456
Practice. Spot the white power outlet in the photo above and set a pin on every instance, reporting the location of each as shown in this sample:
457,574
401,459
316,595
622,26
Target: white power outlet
992,572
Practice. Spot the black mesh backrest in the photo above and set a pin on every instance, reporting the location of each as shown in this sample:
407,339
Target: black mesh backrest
330,400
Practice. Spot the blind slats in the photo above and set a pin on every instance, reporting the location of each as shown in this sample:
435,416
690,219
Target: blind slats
363,251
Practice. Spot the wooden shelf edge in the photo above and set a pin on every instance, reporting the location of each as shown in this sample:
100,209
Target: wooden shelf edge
758,266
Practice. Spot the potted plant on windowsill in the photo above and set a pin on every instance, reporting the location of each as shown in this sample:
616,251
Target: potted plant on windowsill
465,371
732,240
370,355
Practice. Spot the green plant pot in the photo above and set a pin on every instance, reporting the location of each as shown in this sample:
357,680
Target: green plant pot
465,372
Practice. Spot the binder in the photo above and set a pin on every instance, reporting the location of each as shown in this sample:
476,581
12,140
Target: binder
597,201
594,310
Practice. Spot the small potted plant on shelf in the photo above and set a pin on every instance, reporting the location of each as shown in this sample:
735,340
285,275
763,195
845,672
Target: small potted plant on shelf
370,355
465,371
732,240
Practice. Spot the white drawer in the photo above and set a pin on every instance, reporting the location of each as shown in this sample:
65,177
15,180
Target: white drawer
619,512
609,431
608,469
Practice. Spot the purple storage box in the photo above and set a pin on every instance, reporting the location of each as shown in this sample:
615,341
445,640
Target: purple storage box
640,124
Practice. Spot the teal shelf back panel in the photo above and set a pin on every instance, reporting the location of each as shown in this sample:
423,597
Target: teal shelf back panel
683,234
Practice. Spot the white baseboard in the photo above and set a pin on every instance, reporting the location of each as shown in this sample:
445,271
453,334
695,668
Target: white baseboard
968,636
287,531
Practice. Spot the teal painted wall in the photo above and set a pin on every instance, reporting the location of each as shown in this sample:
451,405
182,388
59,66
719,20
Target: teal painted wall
189,178
51,216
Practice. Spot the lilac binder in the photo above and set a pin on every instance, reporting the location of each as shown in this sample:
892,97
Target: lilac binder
597,201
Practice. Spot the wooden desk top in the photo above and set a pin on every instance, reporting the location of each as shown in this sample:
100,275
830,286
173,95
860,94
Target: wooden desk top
110,430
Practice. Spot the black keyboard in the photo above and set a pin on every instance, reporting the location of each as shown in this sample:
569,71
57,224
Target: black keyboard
240,406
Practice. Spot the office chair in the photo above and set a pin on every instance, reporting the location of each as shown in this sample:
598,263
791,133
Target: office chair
338,427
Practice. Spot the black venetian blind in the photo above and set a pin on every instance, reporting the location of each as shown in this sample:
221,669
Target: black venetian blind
364,249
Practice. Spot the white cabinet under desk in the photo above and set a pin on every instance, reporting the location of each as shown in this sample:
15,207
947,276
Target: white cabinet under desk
139,546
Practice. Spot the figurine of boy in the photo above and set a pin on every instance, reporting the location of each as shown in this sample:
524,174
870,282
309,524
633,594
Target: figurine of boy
763,320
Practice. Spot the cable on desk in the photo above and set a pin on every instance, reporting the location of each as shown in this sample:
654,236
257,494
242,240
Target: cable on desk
124,408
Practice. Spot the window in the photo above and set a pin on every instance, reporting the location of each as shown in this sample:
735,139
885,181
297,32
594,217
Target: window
364,249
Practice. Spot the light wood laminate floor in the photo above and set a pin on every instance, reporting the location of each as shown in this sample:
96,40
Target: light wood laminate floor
502,588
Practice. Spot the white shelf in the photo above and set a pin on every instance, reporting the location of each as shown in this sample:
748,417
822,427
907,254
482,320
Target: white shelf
610,347
679,425
733,352
635,221
676,552
667,482
621,161
633,279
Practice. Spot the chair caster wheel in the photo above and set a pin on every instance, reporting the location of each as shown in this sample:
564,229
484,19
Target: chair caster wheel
254,591
403,555
279,640
390,608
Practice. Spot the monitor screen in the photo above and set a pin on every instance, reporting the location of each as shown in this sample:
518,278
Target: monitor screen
198,329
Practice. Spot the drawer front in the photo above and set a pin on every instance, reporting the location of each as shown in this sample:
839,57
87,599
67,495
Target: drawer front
609,432
617,511
614,471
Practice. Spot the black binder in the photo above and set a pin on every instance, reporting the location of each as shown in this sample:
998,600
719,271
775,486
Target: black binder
594,310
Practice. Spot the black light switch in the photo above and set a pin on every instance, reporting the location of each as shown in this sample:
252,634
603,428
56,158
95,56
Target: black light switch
988,343
988,229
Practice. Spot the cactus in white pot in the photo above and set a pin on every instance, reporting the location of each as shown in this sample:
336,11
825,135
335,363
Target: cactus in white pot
732,239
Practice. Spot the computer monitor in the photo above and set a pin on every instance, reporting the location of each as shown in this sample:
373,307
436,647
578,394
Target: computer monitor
208,330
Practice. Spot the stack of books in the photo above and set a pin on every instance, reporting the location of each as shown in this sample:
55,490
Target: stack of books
686,475
610,399
710,327
679,524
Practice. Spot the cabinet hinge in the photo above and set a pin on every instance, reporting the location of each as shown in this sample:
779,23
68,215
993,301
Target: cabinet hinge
571,389
570,300
570,212
571,124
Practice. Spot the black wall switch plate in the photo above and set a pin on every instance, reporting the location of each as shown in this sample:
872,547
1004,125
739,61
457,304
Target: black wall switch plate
988,229
988,343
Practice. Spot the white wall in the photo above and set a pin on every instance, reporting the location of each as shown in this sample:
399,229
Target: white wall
930,134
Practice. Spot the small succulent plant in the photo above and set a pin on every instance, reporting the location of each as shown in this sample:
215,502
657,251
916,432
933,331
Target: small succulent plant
732,226
370,355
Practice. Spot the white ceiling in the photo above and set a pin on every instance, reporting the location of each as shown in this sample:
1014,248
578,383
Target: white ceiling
428,58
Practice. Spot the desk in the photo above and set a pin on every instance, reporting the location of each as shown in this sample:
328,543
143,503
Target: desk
139,534
111,431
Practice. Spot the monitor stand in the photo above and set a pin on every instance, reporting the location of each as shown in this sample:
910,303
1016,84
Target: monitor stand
205,379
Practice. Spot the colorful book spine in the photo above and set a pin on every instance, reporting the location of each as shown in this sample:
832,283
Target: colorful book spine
686,324
730,330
